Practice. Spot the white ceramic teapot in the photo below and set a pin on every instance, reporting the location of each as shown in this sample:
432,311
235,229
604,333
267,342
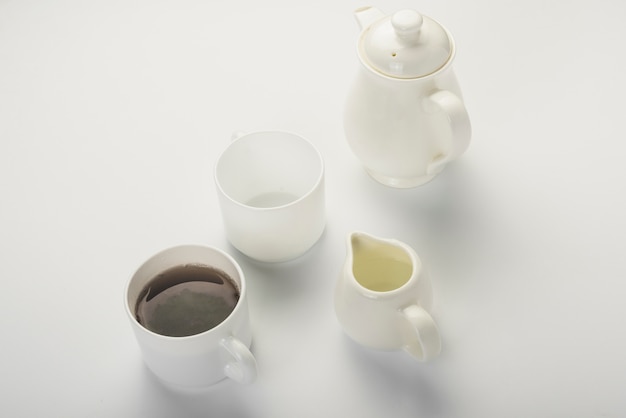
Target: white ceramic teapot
404,117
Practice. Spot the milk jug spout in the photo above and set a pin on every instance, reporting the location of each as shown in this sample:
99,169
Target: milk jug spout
379,264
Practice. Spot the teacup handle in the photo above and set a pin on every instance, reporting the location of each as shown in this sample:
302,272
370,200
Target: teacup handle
422,339
241,366
460,125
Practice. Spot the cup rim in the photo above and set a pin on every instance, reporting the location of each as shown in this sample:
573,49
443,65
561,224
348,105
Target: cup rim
241,284
319,180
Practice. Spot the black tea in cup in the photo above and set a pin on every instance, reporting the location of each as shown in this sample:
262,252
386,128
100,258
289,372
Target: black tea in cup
186,300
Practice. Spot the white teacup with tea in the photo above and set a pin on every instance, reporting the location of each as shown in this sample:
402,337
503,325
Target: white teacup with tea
187,306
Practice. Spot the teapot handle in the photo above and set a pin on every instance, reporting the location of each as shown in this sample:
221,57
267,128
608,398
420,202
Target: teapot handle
449,103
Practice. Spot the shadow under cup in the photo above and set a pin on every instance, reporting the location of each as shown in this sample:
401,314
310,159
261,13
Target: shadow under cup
271,191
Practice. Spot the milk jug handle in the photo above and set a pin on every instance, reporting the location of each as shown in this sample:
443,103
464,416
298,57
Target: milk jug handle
422,339
459,122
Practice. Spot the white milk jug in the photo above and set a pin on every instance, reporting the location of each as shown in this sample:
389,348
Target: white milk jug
405,118
383,297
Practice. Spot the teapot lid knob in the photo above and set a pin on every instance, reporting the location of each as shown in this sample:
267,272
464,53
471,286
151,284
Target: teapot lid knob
407,24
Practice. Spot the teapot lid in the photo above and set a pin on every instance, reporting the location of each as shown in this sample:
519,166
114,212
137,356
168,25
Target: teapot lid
406,45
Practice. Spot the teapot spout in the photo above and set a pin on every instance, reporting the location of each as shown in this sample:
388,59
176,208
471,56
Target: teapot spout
367,15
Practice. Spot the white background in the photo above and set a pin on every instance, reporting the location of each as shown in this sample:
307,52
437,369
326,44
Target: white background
112,114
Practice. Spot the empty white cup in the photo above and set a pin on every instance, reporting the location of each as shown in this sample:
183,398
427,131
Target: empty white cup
271,192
